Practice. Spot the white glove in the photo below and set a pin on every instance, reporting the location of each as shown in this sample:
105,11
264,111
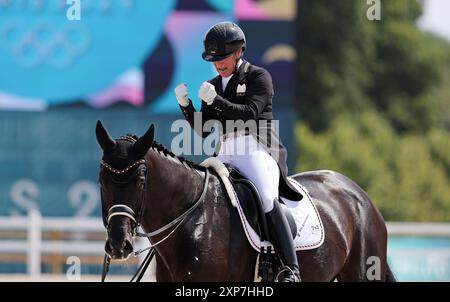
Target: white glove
181,92
207,92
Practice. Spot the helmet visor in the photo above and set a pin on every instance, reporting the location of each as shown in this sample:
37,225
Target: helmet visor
212,54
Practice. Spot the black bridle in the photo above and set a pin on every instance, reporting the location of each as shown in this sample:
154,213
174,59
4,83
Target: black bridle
136,218
122,209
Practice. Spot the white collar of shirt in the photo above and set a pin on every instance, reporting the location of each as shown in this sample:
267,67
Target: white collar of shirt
227,79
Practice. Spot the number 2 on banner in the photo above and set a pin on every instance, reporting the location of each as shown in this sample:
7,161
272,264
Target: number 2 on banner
84,196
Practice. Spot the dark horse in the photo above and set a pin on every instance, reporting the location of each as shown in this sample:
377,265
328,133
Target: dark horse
150,186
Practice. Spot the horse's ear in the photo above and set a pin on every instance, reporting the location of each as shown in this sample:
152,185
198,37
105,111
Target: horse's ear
103,138
144,143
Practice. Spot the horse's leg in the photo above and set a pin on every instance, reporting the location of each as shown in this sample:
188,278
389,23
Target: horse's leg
389,275
324,263
241,255
354,230
364,265
367,260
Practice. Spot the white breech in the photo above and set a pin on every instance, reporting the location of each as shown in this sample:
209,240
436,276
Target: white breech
245,154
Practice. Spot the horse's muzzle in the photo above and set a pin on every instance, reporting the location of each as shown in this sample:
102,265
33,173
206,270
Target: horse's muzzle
119,250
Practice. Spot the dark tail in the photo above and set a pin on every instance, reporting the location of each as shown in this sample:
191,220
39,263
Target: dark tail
389,275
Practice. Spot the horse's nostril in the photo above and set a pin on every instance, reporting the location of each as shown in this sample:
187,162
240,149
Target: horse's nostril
115,246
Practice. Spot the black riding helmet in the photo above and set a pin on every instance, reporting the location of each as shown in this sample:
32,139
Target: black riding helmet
222,40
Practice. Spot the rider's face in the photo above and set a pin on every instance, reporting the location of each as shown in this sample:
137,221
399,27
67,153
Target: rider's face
226,67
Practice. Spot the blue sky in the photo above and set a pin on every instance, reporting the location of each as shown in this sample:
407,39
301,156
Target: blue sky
436,17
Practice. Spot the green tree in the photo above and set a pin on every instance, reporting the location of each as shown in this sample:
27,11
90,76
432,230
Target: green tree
348,63
374,103
399,172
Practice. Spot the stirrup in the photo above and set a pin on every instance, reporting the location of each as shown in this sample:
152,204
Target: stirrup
288,275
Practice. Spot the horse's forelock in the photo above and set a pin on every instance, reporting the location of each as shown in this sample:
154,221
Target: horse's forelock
121,156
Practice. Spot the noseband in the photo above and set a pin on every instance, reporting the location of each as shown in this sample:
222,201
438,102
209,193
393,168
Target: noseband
121,210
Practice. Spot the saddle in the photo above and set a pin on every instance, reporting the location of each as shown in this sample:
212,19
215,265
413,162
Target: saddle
251,204
304,222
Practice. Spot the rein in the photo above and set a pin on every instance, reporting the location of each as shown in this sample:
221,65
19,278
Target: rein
180,218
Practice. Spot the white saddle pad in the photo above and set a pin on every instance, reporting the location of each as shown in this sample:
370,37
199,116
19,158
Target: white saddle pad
310,231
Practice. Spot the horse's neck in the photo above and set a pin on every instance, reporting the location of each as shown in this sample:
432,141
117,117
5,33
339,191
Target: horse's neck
172,188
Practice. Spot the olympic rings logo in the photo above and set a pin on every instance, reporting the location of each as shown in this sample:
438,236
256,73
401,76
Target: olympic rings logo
41,44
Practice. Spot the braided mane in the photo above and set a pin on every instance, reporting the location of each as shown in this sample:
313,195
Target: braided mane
161,148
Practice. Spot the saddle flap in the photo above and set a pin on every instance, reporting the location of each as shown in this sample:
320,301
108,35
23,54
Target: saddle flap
250,202
309,231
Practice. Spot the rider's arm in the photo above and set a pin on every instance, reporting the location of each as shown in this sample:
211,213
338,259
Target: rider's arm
258,95
191,114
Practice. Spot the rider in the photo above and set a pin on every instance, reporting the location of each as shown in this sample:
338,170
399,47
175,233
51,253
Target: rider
244,92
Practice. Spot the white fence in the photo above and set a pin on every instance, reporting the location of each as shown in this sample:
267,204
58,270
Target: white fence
418,229
34,246
420,251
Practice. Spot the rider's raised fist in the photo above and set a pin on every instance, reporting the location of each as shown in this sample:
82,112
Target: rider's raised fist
181,92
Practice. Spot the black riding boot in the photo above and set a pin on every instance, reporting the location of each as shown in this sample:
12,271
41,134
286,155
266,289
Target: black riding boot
281,238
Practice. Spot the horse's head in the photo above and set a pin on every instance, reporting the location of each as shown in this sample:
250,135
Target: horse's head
122,180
